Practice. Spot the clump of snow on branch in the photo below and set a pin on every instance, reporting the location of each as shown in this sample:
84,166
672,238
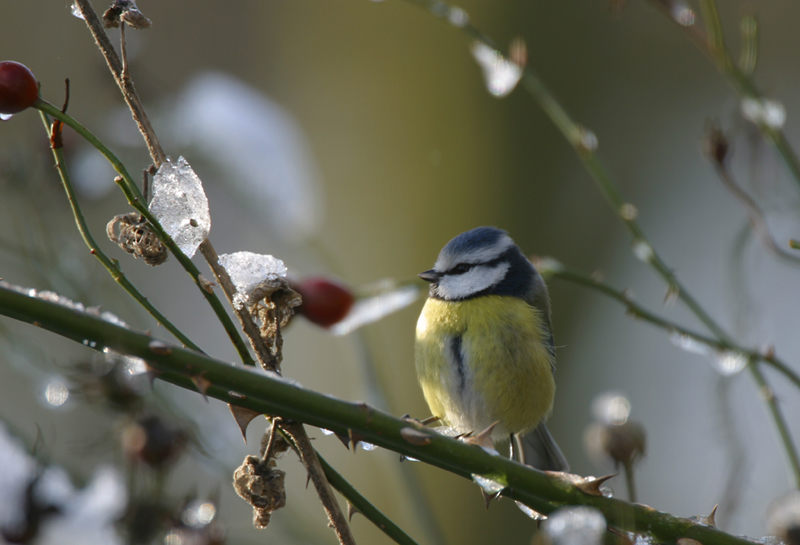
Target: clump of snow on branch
254,275
180,205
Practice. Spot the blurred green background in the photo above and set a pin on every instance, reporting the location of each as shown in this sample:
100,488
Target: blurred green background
397,147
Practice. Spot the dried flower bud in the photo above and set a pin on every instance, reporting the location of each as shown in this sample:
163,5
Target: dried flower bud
125,11
716,145
783,518
261,485
623,443
135,235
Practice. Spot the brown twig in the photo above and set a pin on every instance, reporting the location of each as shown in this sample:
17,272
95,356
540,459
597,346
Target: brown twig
309,459
124,83
717,152
263,353
756,215
306,452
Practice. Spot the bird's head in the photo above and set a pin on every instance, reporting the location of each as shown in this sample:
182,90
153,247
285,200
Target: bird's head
481,261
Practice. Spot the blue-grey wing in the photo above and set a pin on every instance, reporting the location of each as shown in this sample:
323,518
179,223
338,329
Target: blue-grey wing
538,298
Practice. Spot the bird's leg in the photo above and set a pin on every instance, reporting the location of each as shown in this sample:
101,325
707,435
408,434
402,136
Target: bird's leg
424,422
483,438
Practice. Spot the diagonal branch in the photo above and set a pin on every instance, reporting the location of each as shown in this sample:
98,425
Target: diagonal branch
267,394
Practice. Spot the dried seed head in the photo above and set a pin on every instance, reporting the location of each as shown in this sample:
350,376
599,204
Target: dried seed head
125,11
783,518
716,144
132,233
623,443
260,485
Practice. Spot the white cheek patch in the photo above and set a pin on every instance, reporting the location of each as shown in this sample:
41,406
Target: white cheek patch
477,279
479,255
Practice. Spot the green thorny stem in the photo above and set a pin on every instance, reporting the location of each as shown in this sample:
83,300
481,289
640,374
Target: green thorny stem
752,356
269,394
583,143
111,265
638,311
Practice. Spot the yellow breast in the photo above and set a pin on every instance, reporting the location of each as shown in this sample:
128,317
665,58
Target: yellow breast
504,372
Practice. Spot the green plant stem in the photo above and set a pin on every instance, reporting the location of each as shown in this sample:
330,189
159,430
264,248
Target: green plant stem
607,187
112,266
135,199
769,397
638,311
354,497
630,483
743,83
364,506
269,394
752,356
757,219
713,46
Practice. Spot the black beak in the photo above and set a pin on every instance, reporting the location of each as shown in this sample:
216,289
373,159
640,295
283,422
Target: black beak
430,276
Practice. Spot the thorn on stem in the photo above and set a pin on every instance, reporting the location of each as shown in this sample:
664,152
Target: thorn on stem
243,417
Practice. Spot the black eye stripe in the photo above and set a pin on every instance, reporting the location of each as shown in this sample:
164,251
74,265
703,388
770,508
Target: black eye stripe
461,268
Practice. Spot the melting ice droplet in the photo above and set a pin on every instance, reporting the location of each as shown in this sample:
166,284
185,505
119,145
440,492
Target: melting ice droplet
532,513
487,485
682,13
764,111
501,74
729,362
76,11
180,205
643,250
689,344
56,392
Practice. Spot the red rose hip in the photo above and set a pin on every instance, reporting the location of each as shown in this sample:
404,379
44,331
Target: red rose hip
18,87
325,302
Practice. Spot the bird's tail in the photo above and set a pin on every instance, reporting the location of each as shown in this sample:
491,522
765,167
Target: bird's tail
538,449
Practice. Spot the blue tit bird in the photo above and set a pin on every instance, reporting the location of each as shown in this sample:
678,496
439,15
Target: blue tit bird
484,349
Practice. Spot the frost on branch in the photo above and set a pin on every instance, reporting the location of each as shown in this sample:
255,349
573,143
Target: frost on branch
180,205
